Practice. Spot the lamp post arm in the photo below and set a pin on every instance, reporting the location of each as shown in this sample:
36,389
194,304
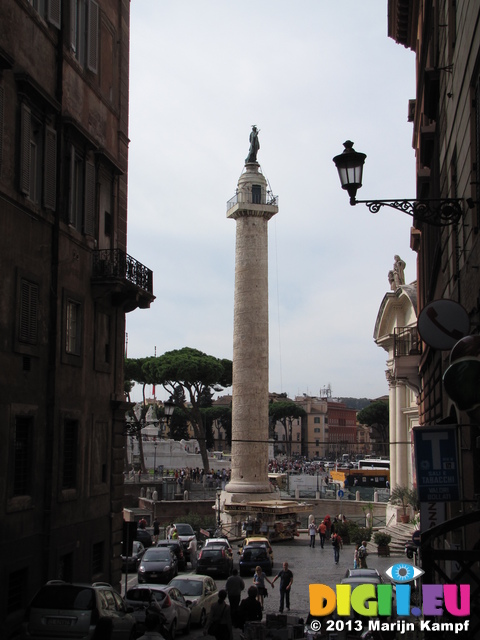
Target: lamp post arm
437,212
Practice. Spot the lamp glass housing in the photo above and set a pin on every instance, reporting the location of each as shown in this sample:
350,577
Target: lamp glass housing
350,168
168,407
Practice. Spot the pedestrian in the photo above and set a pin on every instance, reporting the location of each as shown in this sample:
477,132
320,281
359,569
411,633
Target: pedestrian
312,529
250,609
362,555
152,627
337,544
355,557
169,531
234,587
156,530
322,532
219,620
259,578
286,580
174,533
328,524
192,552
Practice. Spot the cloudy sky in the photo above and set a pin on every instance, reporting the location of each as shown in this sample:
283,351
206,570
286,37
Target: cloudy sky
310,74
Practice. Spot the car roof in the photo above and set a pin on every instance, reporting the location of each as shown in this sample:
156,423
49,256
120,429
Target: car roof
217,541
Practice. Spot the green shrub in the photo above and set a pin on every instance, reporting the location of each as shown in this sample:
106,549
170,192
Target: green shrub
382,539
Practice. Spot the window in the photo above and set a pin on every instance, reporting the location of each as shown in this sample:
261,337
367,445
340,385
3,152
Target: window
17,583
84,32
316,420
81,212
316,430
97,559
22,456
69,473
72,328
28,315
51,11
38,159
256,194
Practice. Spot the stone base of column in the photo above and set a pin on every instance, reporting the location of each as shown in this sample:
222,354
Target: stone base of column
250,490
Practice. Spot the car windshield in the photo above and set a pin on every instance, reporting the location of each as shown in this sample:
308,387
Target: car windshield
184,530
255,553
64,596
188,587
157,555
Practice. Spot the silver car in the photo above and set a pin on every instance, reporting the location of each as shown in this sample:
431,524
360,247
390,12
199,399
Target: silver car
61,610
166,601
200,591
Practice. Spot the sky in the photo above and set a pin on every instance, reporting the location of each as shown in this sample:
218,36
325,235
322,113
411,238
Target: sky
309,74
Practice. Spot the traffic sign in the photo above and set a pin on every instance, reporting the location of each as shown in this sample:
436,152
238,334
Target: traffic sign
416,537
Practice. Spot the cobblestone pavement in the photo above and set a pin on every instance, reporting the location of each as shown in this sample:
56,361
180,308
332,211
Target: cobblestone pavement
309,566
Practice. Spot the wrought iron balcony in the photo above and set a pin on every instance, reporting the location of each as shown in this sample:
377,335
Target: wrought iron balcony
252,198
129,281
406,342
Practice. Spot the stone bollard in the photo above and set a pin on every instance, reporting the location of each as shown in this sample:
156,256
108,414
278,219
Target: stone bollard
149,493
375,496
142,492
155,495
185,495
357,496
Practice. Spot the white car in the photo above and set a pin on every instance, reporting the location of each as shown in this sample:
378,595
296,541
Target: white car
167,601
200,591
219,542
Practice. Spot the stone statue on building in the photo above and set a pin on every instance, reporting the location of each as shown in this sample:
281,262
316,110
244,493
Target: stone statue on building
391,280
254,145
398,272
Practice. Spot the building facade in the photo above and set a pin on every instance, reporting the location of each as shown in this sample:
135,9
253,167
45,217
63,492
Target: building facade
445,113
66,285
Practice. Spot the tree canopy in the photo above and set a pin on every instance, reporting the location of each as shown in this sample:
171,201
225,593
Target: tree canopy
376,416
189,376
285,412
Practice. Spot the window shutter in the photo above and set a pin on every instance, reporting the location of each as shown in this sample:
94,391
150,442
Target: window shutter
89,198
50,175
25,139
72,203
54,12
2,101
28,312
72,24
92,36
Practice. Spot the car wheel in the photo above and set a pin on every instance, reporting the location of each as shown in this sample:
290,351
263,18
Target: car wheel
173,630
203,618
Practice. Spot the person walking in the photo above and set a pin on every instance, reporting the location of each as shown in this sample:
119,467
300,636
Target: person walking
286,580
219,620
362,555
337,544
234,587
152,627
355,557
322,532
250,609
259,578
312,529
156,530
328,524
192,552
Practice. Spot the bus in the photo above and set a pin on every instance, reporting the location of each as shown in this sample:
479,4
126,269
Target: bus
372,476
374,463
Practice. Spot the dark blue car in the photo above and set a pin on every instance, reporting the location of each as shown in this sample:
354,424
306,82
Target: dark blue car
252,557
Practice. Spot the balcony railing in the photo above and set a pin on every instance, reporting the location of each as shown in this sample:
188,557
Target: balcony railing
406,342
116,264
252,198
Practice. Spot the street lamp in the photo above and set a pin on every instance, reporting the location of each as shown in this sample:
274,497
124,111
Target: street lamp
437,212
219,521
168,408
155,460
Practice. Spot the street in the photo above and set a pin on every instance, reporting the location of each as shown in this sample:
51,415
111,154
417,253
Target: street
309,566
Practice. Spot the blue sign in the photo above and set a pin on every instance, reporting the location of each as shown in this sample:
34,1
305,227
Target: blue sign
436,462
340,494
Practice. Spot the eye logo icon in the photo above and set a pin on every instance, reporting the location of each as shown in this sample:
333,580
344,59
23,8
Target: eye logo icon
402,573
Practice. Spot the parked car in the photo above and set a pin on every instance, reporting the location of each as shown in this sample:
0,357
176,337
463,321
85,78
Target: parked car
177,548
144,537
62,610
185,534
360,573
166,601
254,556
223,542
258,540
216,559
157,565
134,560
200,591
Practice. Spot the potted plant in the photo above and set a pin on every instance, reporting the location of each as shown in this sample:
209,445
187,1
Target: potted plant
403,496
382,540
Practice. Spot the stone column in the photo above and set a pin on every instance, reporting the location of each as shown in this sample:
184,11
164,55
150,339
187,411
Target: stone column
250,337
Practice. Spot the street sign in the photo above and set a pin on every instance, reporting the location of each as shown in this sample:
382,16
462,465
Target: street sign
416,537
436,463
341,494
442,323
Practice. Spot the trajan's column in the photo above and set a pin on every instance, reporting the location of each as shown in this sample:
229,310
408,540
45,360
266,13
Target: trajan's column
252,207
